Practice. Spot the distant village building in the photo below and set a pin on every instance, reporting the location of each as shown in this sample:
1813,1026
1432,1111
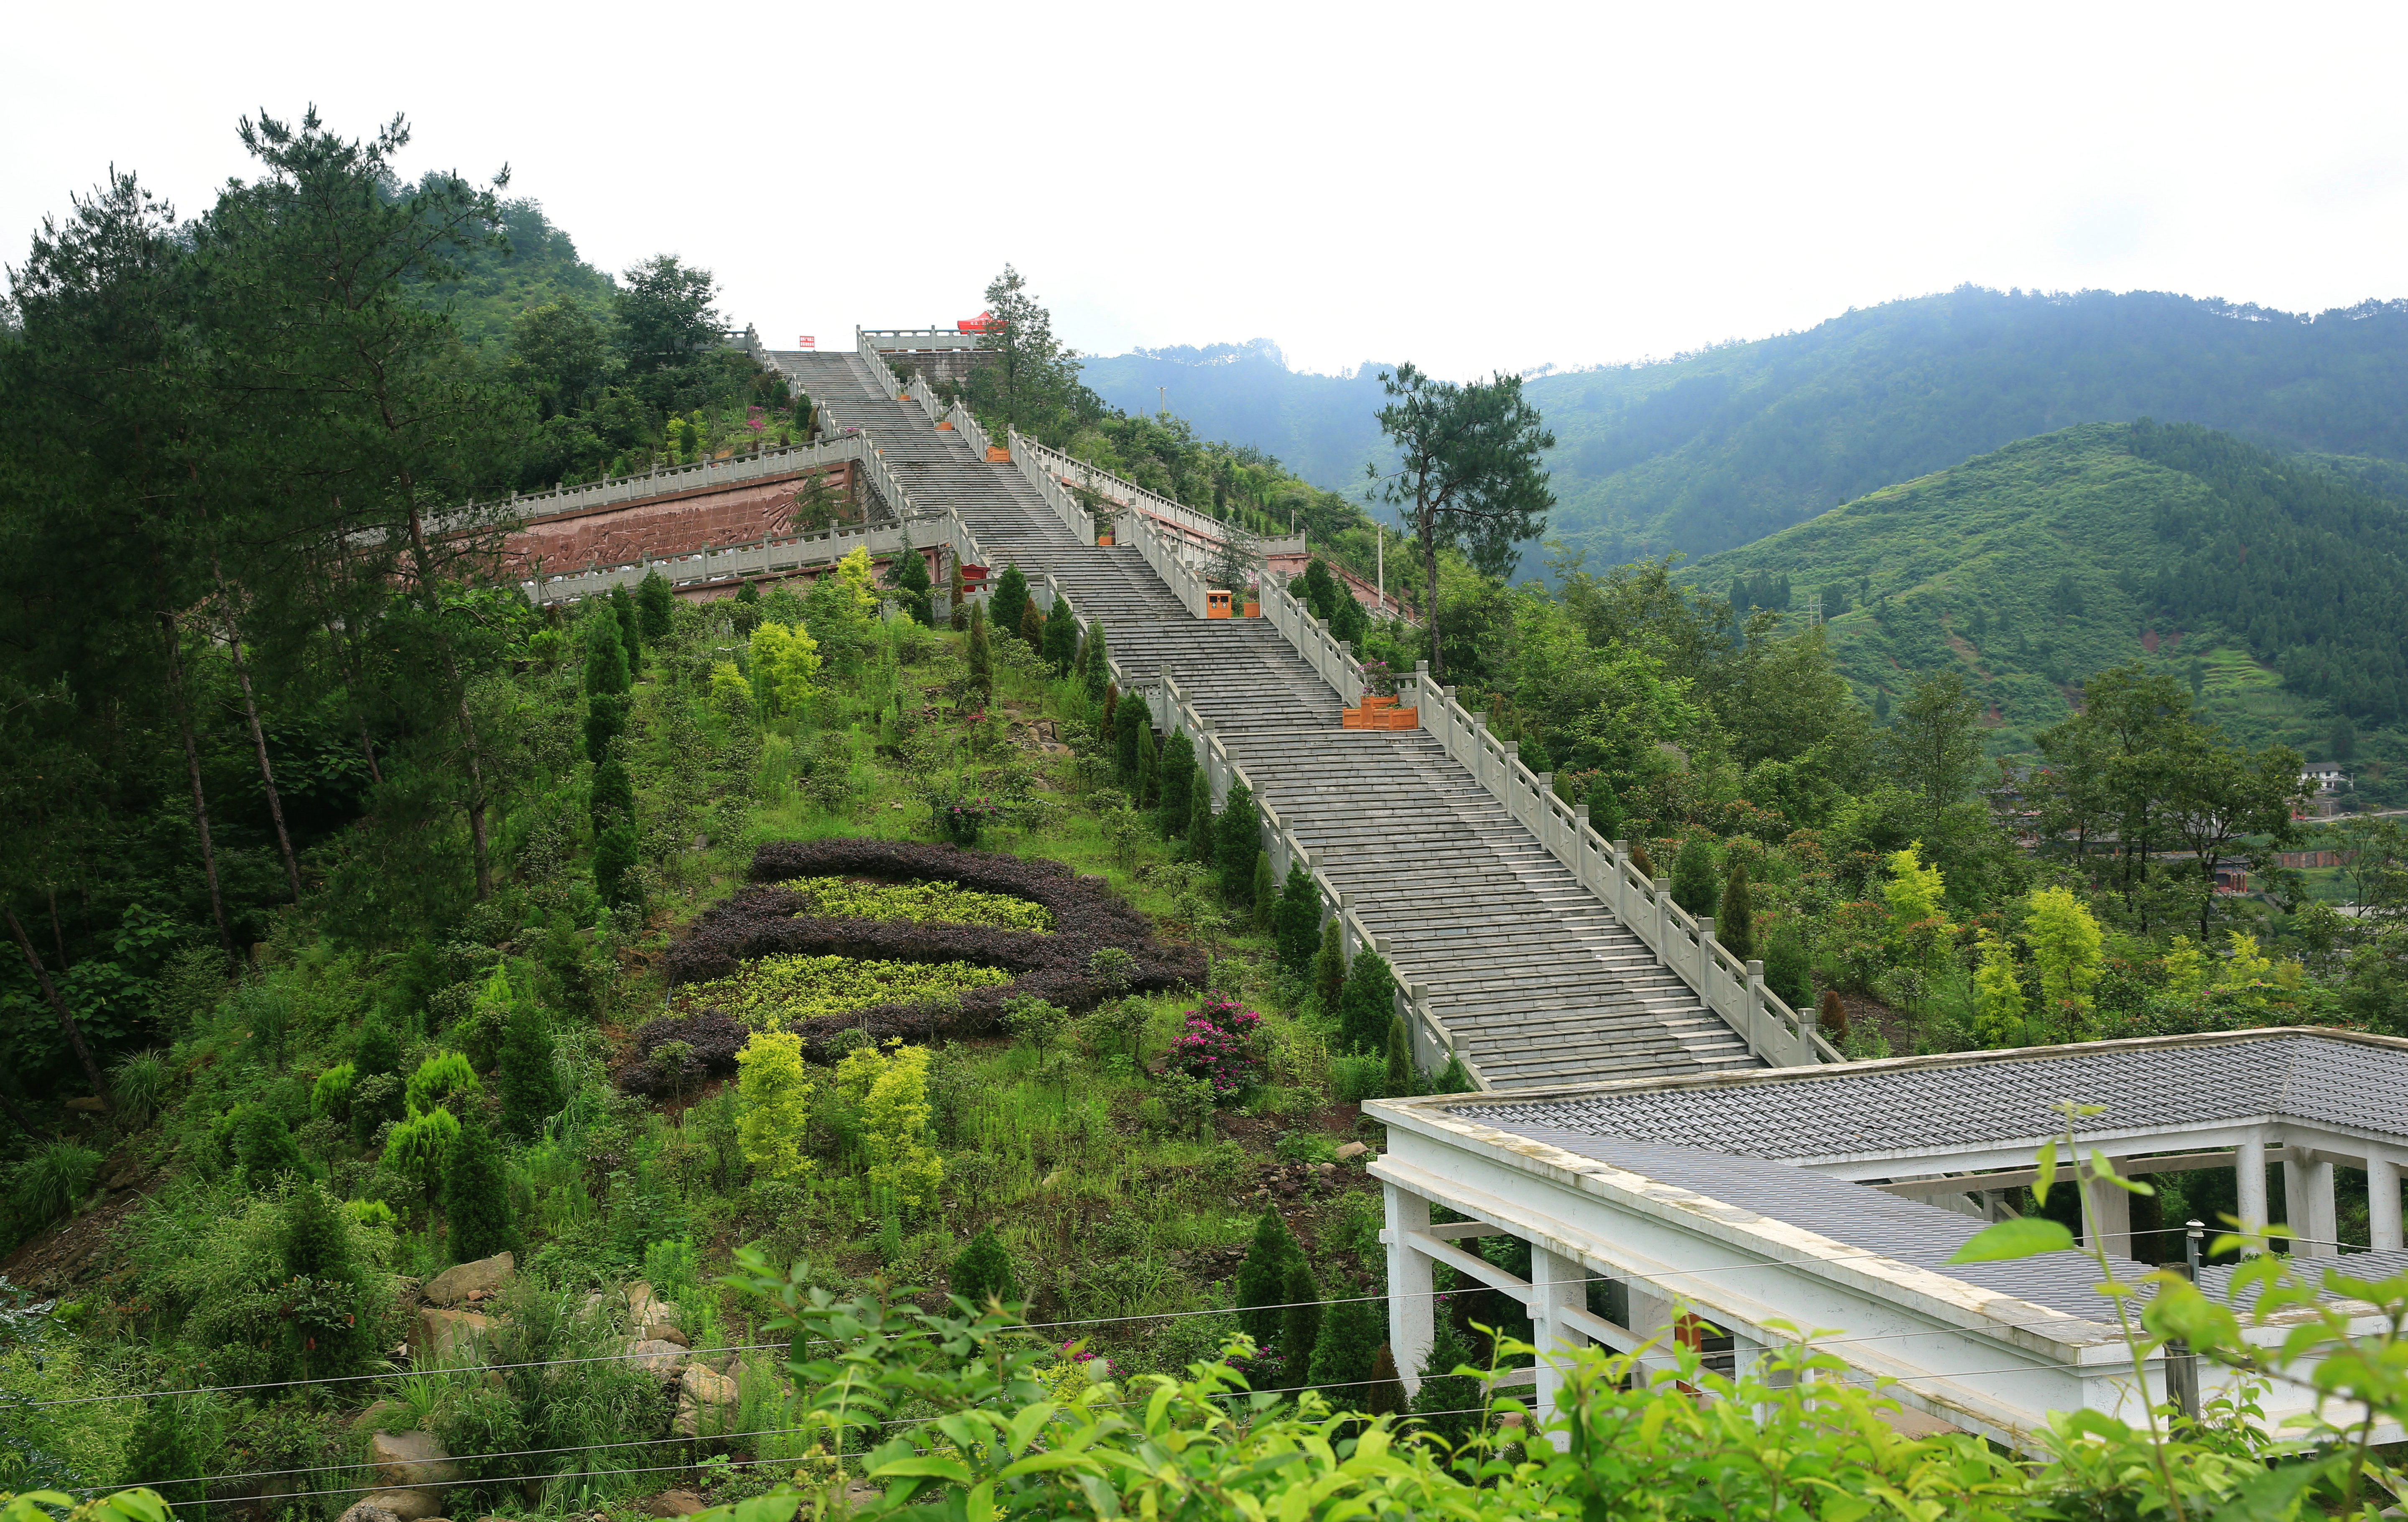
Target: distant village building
2324,782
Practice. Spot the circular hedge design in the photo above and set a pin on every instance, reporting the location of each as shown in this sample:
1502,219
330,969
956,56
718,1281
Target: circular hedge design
767,920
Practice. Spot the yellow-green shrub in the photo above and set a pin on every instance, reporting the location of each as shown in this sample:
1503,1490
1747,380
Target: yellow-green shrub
888,1091
778,991
947,902
777,1104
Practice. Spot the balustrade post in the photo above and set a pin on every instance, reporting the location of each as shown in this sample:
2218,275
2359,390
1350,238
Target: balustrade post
1809,1015
1512,782
1706,966
1552,826
1663,886
1759,1018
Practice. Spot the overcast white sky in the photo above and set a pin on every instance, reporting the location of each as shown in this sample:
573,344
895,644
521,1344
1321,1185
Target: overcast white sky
1470,187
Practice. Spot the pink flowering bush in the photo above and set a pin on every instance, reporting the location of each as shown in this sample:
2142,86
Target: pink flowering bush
1216,1045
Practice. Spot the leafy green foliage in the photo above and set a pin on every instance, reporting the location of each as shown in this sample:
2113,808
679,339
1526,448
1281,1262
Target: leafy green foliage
476,1195
526,1077
775,992
1367,1005
942,903
984,1271
1238,841
1010,597
1693,877
1262,1278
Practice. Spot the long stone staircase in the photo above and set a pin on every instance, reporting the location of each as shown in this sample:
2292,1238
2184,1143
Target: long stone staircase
1540,984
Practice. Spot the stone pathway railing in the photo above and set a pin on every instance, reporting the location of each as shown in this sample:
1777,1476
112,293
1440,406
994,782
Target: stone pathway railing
762,557
1684,942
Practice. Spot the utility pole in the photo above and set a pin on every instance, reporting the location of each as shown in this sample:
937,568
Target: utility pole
1380,532
1164,393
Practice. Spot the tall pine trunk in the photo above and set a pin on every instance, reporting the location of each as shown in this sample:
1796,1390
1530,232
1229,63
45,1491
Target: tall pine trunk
258,736
59,1007
476,801
192,766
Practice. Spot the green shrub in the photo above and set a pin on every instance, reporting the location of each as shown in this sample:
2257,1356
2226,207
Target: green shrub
476,1195
331,1095
1329,967
1789,965
1399,1074
1296,921
54,1180
528,1085
1199,825
264,1148
1097,655
1300,1319
1355,1079
1344,1357
139,1083
1448,1403
1693,877
1239,841
1177,786
1367,1004
443,1080
984,1271
775,992
1735,927
1009,596
1262,1278
656,605
614,867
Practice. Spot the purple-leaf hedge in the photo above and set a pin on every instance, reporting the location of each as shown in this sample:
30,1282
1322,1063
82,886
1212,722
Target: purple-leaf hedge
762,921
715,1037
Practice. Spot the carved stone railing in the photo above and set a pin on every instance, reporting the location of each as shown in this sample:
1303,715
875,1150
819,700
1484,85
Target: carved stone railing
776,554
1075,518
1184,583
661,481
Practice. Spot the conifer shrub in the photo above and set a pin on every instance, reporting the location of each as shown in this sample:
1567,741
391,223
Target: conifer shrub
653,602
1239,835
1448,1405
1694,887
984,1271
1604,807
1010,597
171,1441
981,657
1640,862
631,631
1200,824
1178,783
446,1080
476,1195
607,672
1368,1003
1262,895
612,798
1098,656
1058,639
1262,1278
1735,927
1317,589
1125,727
615,858
1149,765
529,1083
416,1147
264,1147
1300,1319
1385,1395
1296,922
1346,1355
911,580
1329,967
1401,1059
1789,965
1454,1078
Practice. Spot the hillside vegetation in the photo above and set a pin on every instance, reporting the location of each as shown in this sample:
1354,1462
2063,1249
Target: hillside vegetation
2274,591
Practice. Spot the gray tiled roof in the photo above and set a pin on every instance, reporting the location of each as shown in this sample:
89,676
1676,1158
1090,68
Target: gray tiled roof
1830,1115
1906,1230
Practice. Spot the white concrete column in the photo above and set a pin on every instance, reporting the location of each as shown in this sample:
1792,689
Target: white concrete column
2249,1184
2111,1208
2308,1199
1412,1301
1556,1285
2382,1202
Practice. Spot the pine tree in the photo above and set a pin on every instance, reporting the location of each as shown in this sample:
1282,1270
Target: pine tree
1346,1355
1061,644
1009,596
612,800
1124,732
631,631
1401,1059
1262,1278
477,1194
1385,1395
911,580
1264,896
1735,927
653,605
1329,967
1301,1319
264,1145
529,1087
1178,783
1100,660
981,657
1297,923
1149,766
1199,826
1447,1403
1238,837
1693,877
984,1271
1367,1004
1454,1078
1035,627
311,1236
614,866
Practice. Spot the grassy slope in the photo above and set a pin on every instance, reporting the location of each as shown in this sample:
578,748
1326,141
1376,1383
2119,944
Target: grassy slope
1964,568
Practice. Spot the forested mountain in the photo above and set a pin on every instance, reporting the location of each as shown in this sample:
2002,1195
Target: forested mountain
1716,449
2278,591
1318,425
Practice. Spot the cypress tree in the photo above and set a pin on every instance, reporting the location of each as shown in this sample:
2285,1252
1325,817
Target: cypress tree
167,1443
1367,1004
1178,782
1296,924
1346,1355
1010,595
981,657
1317,589
1262,1278
1454,1078
529,1088
630,628
377,1050
984,1271
606,656
1125,729
1199,825
1448,1405
311,1236
1604,808
911,580
1149,765
612,798
605,719
960,590
1694,887
1349,624
614,864
264,1145
1061,647
477,1194
1735,927
1300,1321
1099,663
1401,1059
1385,1396
1788,966
1239,838
1640,862
1085,646
1265,897
1329,967
653,602
1035,627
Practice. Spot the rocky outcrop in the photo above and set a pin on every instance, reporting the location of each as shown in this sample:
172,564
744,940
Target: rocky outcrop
481,1280
671,1503
370,1511
413,1472
706,1403
449,1335
660,1358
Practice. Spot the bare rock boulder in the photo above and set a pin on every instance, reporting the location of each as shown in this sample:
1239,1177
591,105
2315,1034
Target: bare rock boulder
664,1331
660,1358
486,1277
411,1460
1351,1150
706,1403
449,1335
671,1503
401,1505
368,1511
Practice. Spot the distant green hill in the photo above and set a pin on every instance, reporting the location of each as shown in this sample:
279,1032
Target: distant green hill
2278,589
1319,426
1721,448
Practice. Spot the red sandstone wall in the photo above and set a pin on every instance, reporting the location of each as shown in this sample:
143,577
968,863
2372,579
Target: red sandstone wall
660,527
